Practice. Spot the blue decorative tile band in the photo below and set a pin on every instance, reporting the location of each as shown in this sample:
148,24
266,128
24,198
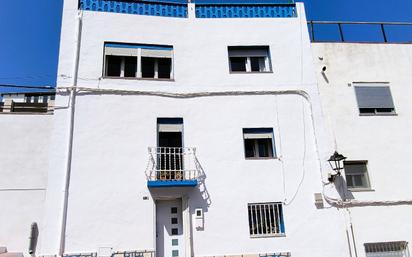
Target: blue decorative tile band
167,9
246,11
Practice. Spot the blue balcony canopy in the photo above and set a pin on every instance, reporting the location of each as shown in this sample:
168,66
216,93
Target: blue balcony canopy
171,183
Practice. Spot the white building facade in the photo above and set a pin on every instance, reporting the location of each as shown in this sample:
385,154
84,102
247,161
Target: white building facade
194,130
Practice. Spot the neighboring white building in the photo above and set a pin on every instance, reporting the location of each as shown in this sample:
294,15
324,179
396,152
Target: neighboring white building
195,129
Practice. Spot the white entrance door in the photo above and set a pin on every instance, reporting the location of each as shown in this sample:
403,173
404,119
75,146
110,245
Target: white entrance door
169,229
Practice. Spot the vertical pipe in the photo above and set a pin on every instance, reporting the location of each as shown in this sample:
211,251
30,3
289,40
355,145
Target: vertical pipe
341,32
312,29
70,133
385,39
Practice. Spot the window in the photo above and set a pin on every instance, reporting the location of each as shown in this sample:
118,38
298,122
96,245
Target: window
138,61
265,219
387,249
28,102
249,59
258,143
374,99
356,174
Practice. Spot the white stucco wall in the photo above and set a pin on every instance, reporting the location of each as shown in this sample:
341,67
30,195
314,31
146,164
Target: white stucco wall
24,153
381,140
113,130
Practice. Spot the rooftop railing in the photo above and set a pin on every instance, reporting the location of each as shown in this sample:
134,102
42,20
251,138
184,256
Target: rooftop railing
368,32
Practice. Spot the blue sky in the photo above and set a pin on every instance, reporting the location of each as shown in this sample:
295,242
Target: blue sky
30,32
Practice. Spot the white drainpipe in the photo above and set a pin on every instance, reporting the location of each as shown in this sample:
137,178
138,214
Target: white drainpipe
70,133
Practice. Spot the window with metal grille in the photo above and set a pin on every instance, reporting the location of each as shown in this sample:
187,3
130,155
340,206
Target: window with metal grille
265,219
374,99
387,249
258,143
249,59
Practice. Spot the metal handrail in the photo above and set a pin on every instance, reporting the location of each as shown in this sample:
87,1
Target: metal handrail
172,163
341,33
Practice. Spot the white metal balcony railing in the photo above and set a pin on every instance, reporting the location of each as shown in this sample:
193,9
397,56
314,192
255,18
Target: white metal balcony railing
172,164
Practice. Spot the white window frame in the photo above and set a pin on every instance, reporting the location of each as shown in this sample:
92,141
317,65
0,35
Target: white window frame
268,135
272,227
366,174
248,52
387,249
137,52
376,111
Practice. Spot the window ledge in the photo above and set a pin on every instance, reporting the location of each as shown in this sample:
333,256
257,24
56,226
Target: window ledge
268,236
261,158
26,113
378,114
131,78
361,189
251,72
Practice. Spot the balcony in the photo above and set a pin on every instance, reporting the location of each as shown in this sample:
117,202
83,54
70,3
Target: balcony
172,167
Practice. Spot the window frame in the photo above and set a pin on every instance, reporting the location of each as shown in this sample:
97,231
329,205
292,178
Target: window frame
267,67
139,75
263,130
279,219
371,249
365,174
375,111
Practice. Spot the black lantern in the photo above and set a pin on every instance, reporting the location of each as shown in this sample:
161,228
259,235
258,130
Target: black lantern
336,162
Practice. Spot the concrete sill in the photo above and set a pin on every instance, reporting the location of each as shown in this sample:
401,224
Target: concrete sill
267,236
130,78
378,114
26,113
261,158
252,72
361,190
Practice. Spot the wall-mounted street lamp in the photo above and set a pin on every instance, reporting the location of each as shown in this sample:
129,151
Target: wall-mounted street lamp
336,162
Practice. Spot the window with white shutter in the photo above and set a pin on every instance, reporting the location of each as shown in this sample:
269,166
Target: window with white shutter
138,61
374,99
243,59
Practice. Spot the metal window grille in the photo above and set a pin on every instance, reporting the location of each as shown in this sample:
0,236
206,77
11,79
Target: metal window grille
265,219
387,249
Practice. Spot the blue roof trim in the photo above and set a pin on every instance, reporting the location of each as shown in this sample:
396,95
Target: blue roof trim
172,183
245,10
244,2
119,45
166,9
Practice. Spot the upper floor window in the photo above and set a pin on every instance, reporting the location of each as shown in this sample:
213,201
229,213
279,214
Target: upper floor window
249,59
387,249
356,174
265,219
374,99
258,143
138,61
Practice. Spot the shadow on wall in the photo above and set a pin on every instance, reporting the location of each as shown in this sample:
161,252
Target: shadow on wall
340,185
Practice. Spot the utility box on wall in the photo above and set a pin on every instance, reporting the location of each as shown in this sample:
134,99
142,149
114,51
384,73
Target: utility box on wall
199,219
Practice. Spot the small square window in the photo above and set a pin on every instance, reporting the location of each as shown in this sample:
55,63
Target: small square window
175,242
258,142
249,59
175,231
174,220
173,210
356,174
265,219
374,99
175,253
